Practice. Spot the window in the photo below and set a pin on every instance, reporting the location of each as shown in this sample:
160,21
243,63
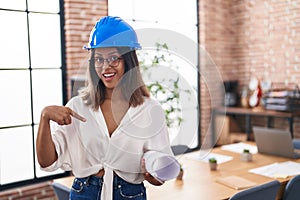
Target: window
167,25
31,77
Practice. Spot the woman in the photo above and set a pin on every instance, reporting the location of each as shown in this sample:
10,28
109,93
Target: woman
102,134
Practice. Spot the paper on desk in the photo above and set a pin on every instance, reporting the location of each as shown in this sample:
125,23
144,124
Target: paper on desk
239,147
278,170
205,157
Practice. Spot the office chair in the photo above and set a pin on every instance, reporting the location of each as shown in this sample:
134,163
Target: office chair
61,191
292,189
180,149
267,191
296,143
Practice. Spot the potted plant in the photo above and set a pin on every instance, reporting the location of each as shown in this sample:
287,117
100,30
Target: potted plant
246,155
213,163
180,175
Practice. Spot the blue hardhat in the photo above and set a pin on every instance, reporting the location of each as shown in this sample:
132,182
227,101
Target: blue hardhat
112,32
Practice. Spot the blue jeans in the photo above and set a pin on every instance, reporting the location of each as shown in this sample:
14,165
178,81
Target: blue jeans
89,188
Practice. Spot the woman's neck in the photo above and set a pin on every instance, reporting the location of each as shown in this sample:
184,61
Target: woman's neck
108,93
114,94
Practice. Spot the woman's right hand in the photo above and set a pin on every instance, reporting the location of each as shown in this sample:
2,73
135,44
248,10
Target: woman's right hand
62,115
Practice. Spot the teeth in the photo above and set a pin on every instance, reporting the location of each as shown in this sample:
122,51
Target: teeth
108,75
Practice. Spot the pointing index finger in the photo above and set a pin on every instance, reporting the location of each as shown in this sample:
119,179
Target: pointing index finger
77,116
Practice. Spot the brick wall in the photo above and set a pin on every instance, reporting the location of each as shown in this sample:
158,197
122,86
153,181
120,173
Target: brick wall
40,191
251,39
217,39
267,40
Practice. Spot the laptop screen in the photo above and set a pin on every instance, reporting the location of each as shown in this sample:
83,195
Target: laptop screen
274,141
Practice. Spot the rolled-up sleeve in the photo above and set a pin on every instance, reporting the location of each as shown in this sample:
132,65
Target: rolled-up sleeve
60,141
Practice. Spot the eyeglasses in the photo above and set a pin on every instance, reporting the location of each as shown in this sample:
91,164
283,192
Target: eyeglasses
112,61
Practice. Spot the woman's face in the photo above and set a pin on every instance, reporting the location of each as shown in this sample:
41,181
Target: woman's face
109,66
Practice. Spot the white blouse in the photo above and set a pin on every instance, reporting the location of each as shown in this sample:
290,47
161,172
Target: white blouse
86,147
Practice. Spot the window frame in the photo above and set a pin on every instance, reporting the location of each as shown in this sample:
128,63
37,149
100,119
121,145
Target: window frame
36,179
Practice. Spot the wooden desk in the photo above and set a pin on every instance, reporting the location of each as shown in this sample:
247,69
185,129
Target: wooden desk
199,182
248,113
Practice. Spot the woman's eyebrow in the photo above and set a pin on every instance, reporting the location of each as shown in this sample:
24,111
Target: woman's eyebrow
113,52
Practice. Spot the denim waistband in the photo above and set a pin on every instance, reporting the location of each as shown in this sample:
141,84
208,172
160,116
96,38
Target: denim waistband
96,180
92,180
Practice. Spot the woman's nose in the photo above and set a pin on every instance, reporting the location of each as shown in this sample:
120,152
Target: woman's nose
106,65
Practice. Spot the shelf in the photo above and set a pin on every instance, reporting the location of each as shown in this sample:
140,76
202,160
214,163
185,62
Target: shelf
248,113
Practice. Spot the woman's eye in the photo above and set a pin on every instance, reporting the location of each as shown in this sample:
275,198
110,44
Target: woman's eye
100,60
114,58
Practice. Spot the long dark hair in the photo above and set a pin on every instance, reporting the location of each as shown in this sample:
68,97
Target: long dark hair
132,87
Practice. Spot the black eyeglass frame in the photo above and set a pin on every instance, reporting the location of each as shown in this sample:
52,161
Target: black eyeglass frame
99,64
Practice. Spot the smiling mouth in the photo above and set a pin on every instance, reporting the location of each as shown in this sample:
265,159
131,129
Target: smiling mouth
108,76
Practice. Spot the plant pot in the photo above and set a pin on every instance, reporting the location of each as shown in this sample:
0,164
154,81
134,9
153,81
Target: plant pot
246,157
180,175
213,166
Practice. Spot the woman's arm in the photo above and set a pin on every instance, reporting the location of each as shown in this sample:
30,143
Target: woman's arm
45,148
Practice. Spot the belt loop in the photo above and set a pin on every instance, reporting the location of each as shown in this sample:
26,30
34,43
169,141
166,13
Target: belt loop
86,182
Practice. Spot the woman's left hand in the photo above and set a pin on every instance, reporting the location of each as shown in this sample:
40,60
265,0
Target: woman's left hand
148,177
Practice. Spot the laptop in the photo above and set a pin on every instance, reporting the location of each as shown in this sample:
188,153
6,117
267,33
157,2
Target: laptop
274,142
